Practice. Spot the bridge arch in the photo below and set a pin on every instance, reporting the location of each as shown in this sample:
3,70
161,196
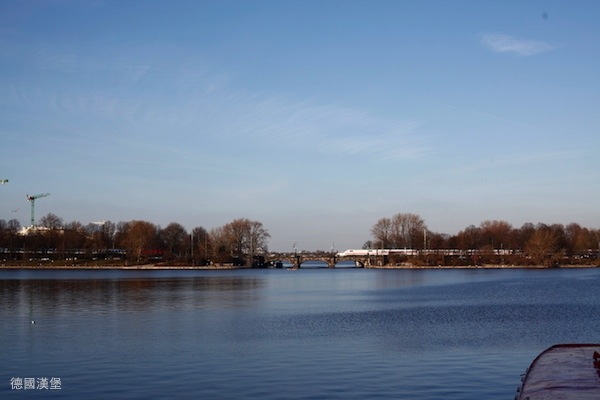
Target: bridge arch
324,261
345,263
315,263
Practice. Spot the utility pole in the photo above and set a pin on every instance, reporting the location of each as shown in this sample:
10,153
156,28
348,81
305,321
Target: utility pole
296,256
192,245
251,249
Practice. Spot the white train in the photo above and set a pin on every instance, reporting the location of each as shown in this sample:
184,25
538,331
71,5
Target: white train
415,252
376,252
363,252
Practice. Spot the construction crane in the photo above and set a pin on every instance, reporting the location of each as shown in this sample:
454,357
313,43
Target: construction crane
32,200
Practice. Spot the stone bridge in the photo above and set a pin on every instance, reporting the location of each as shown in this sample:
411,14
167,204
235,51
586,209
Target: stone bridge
298,259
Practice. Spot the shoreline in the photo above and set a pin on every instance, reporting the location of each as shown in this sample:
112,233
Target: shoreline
485,266
123,267
229,267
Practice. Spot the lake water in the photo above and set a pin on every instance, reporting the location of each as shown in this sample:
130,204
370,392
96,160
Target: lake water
283,334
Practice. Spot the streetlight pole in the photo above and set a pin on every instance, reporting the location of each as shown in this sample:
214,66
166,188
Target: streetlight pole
192,245
296,256
251,249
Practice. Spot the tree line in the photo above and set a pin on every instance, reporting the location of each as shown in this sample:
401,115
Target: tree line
237,242
243,241
495,241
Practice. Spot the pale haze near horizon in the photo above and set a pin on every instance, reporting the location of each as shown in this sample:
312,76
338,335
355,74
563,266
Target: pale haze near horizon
315,118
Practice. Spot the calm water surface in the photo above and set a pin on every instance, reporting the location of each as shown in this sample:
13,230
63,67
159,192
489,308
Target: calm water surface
280,334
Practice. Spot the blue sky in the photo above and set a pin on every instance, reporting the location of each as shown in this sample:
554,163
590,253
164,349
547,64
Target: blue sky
316,118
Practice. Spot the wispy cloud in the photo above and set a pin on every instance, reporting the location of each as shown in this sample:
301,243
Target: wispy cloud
148,100
516,160
331,129
521,159
502,43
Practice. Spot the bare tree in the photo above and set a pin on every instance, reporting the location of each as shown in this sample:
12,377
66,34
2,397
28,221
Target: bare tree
237,236
437,240
5,235
237,241
258,238
51,221
580,240
100,235
245,237
407,230
542,244
382,232
137,237
73,238
468,238
497,234
202,244
524,234
220,251
14,226
175,239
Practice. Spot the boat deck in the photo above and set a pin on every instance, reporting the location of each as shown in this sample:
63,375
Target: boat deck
564,371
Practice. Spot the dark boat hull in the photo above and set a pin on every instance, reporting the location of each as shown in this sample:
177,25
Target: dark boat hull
563,371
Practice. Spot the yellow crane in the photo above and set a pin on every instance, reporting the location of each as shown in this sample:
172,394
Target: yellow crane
32,200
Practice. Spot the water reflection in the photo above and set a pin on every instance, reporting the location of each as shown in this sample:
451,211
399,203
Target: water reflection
54,297
351,334
393,279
